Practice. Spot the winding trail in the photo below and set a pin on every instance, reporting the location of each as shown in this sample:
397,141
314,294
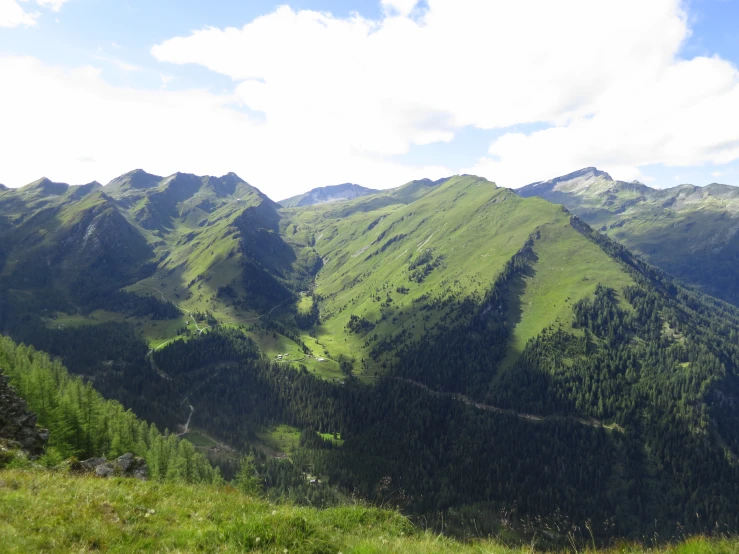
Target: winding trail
521,415
163,375
187,423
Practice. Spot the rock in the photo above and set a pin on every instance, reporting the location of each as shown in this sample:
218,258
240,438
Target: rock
139,469
91,464
17,423
124,462
123,466
105,470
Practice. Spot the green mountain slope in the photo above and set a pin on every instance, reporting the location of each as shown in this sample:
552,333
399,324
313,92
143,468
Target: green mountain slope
63,246
141,245
686,230
403,268
447,346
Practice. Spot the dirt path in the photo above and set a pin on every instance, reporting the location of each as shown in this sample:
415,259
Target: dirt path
187,423
521,415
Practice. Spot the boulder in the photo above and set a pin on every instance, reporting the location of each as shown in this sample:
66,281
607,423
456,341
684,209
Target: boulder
17,423
124,462
105,470
127,465
91,464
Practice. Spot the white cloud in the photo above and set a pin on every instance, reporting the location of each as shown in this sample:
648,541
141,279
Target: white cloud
120,64
166,79
605,75
55,5
399,7
683,116
342,98
12,15
71,126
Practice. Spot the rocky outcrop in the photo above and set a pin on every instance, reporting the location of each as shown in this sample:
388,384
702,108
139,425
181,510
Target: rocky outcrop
127,465
18,429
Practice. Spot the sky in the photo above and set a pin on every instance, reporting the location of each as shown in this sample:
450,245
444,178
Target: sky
293,95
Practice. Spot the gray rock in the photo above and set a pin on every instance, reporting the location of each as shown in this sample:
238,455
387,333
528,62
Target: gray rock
105,470
17,423
91,464
123,466
124,462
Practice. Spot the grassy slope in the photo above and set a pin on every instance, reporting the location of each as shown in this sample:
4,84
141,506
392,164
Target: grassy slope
688,231
476,228
58,233
471,226
42,511
468,223
193,240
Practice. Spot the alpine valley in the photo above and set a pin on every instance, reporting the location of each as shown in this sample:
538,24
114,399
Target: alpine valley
483,359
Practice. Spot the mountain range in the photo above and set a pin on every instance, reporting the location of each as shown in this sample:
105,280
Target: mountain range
470,353
689,231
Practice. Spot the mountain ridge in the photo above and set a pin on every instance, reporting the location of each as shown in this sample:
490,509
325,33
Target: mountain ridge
687,230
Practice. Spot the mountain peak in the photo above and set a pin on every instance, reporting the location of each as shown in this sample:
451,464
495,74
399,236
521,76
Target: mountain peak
136,179
231,176
46,187
78,191
581,174
578,180
324,195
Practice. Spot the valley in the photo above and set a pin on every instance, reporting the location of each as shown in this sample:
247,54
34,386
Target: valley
479,347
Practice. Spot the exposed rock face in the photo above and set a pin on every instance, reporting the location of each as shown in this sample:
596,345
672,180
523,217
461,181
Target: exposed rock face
324,195
124,466
17,424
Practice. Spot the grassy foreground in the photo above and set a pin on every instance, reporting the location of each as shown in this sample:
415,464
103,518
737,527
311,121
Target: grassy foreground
43,511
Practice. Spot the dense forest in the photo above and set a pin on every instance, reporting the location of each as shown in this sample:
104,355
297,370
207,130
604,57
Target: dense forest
83,424
634,476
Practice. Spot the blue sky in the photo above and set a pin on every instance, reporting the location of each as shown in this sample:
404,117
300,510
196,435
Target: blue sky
440,134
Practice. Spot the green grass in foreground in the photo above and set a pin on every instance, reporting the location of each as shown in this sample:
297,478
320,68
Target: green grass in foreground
43,511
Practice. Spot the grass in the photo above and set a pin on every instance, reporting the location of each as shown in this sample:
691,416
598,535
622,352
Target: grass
329,436
280,438
687,231
200,439
53,512
305,304
568,268
474,228
471,226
